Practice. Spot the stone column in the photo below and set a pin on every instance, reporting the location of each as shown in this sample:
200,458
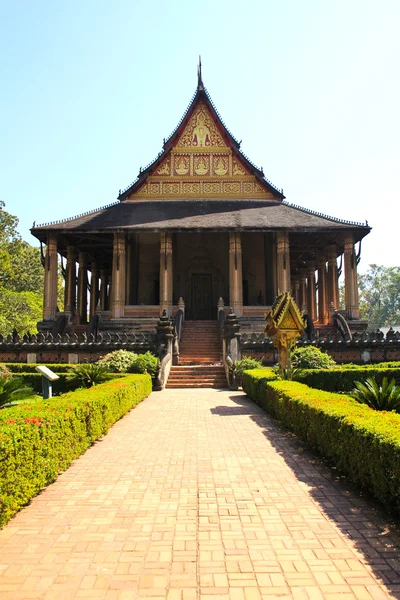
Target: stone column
283,261
166,278
296,289
118,283
303,292
103,289
94,287
70,280
235,273
311,295
50,279
332,283
82,287
323,315
350,279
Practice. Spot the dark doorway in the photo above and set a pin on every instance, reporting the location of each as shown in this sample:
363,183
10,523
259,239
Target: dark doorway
201,297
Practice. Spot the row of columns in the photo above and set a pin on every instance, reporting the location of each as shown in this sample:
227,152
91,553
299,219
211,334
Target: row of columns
305,289
111,295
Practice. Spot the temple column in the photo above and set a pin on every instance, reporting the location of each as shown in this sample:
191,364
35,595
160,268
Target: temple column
332,283
235,273
82,287
283,261
103,289
296,289
166,279
70,280
350,279
94,287
50,279
303,292
118,283
311,295
323,315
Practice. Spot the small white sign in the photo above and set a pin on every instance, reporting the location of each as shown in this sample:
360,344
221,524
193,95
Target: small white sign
45,371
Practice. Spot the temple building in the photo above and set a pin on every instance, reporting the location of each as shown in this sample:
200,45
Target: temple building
201,227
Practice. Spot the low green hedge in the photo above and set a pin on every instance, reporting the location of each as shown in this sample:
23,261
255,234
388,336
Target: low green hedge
342,379
60,386
38,440
361,442
31,367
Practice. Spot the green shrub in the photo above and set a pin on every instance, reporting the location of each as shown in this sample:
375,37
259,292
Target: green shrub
343,379
119,361
384,397
12,389
38,440
88,374
145,363
311,357
244,365
363,443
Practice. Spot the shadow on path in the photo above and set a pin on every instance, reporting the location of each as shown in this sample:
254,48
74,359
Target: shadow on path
362,520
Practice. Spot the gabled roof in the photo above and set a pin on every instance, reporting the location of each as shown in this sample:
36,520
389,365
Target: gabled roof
201,96
202,215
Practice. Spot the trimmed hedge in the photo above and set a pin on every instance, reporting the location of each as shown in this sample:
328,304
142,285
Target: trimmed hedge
60,386
31,367
343,379
361,442
38,440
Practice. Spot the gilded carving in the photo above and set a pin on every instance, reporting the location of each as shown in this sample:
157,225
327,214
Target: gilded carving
231,187
164,168
220,164
182,164
237,168
201,131
154,188
191,188
170,188
201,164
212,188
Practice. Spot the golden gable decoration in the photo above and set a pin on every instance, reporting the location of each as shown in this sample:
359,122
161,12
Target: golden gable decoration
201,165
201,131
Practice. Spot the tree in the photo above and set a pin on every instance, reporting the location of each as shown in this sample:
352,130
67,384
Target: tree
379,291
21,279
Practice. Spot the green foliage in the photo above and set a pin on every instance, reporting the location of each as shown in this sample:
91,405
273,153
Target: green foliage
253,381
88,374
21,279
378,397
12,388
119,361
31,367
40,439
310,357
343,378
361,442
245,364
380,296
123,361
145,363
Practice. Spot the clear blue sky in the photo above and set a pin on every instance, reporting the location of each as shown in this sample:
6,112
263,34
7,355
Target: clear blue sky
89,89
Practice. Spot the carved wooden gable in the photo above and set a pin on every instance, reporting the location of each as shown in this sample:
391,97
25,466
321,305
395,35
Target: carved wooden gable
201,165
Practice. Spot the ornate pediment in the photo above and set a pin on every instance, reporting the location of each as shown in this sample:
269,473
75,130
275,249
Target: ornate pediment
202,162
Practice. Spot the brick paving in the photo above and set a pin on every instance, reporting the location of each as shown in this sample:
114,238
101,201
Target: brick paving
199,494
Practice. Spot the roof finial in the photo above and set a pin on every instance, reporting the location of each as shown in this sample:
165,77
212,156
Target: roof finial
199,76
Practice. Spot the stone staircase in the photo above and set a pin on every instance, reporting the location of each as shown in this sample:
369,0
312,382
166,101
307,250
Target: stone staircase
199,358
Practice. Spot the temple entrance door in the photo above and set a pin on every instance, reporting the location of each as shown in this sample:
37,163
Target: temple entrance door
201,297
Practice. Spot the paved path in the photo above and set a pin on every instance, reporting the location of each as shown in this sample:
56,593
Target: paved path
198,494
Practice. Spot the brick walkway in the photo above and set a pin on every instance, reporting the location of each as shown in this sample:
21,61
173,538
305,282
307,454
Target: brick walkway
198,494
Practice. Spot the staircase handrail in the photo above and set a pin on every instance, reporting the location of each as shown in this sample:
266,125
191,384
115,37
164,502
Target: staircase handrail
179,323
163,372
